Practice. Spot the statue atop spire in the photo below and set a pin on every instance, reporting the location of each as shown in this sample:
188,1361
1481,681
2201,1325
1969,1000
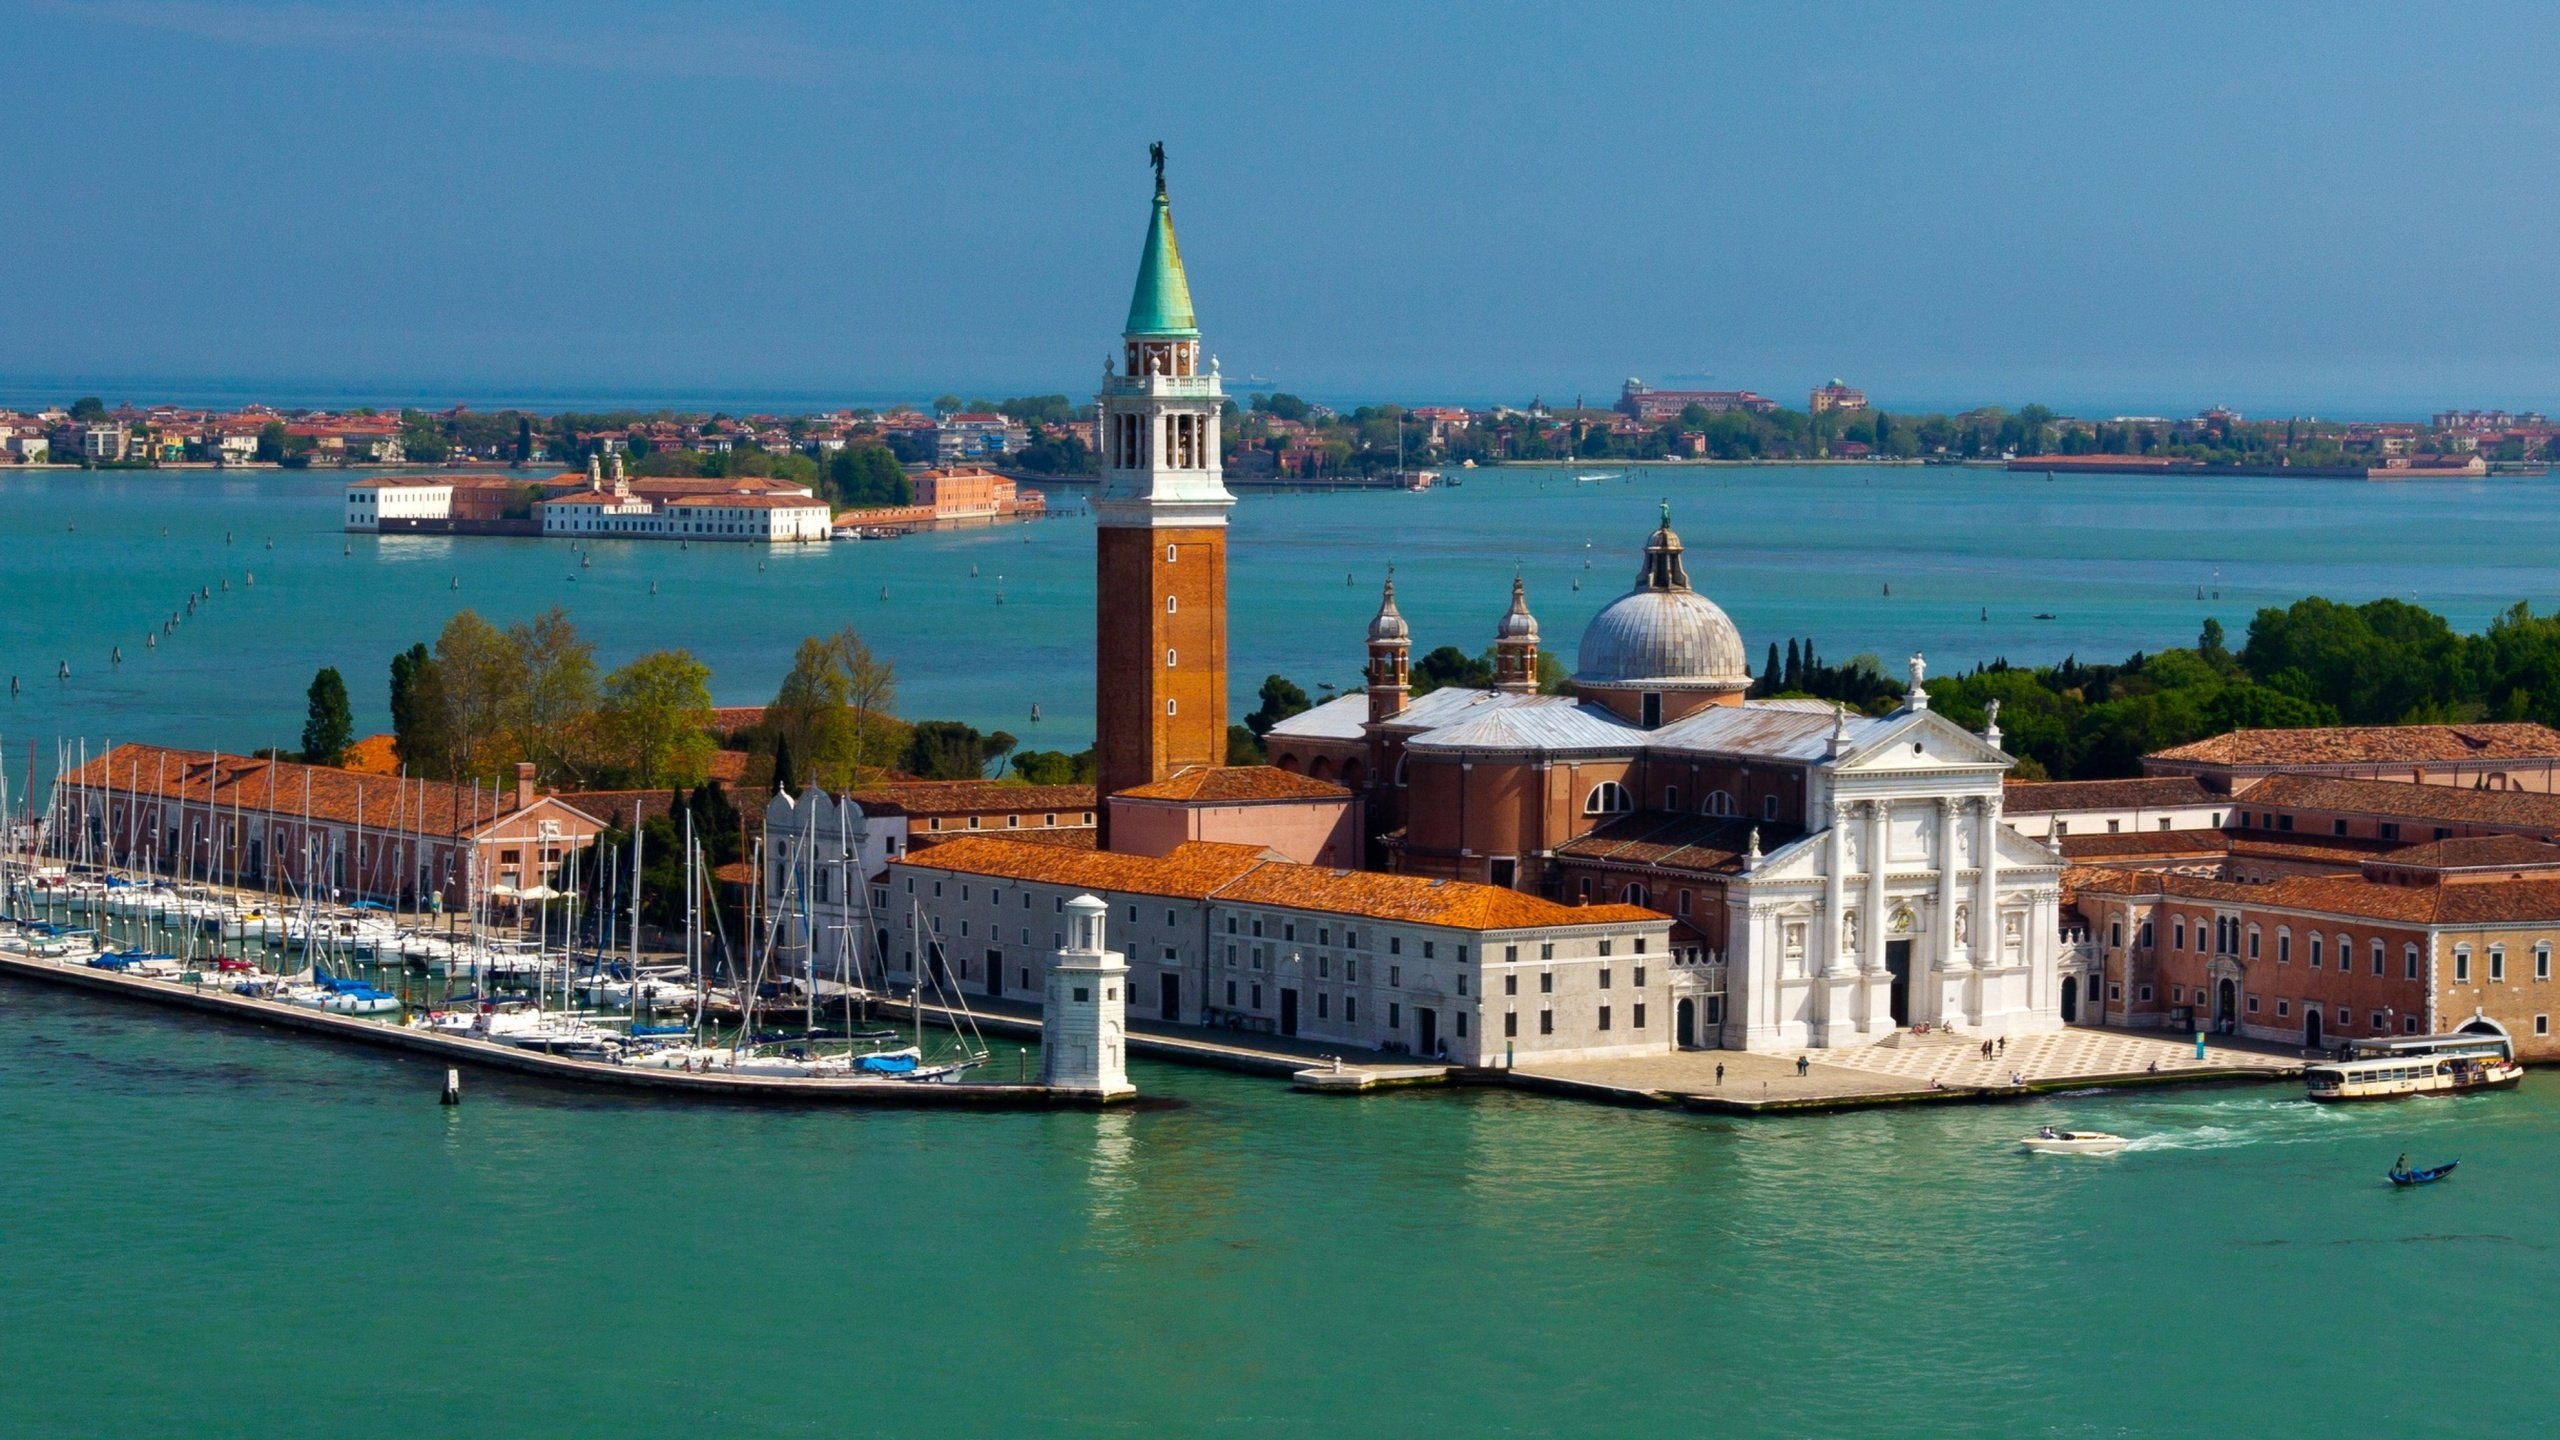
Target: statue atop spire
1155,157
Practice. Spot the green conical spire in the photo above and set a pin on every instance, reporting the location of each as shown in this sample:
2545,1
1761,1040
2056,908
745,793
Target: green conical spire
1161,306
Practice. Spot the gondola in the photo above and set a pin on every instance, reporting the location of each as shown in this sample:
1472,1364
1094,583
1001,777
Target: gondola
2428,1176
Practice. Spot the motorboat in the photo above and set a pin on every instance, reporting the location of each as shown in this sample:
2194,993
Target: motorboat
2049,1141
2393,1067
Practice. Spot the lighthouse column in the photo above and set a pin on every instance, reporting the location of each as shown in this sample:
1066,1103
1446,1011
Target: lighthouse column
1083,1016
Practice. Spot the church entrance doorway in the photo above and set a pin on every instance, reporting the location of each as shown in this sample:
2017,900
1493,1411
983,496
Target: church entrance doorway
1426,1032
2311,1027
2070,999
1288,1012
1684,1023
2226,1002
1897,963
995,972
1169,999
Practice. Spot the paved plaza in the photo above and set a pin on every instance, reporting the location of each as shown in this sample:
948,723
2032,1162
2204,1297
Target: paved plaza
1912,1066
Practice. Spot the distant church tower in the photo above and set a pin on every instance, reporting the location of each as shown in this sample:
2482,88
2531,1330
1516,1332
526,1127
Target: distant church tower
1160,681
1515,646
1083,1033
1390,658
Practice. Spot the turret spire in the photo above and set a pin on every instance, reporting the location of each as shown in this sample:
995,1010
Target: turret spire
1515,645
1160,307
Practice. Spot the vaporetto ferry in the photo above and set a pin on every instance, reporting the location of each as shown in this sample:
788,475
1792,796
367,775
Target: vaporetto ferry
2397,1068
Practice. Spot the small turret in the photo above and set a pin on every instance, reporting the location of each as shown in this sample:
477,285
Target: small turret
1515,645
1083,1039
1390,675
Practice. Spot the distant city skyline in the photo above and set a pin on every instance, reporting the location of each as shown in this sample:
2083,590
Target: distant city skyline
2281,211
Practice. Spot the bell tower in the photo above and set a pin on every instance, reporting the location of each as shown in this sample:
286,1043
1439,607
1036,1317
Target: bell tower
1515,646
1390,678
1160,637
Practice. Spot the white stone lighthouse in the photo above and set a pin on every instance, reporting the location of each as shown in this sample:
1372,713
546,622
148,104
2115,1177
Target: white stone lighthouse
1083,1037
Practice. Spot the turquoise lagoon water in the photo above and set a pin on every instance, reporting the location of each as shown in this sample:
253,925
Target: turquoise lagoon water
214,1231
1787,551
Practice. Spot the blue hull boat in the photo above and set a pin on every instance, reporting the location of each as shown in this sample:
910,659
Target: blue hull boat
2427,1176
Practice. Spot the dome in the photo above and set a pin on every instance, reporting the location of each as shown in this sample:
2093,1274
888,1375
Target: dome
1517,622
1388,627
1662,635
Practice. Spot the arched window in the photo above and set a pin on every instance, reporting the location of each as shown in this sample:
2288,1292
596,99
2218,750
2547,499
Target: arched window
1671,798
1168,554
1719,802
1168,659
1401,772
1607,798
1634,894
1768,807
1169,606
2178,933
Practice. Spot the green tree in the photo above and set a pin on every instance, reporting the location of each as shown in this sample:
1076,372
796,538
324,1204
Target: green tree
1283,406
422,439
786,781
547,714
950,750
836,708
329,724
417,708
88,408
946,405
1450,665
657,717
1054,767
1281,698
479,675
865,477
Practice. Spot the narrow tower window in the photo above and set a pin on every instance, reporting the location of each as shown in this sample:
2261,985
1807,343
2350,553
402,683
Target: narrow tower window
1168,707
1168,659
1168,554
1169,606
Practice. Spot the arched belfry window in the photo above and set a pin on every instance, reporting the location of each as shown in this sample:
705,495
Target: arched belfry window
1607,798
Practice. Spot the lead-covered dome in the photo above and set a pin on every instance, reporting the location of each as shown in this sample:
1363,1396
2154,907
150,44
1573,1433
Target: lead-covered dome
1662,635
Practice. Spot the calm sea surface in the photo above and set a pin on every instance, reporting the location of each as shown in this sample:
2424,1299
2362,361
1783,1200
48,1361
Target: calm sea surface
208,1231
1788,552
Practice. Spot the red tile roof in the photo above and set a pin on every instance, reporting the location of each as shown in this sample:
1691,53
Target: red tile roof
2395,799
2499,902
1236,785
290,790
1247,874
2046,797
2372,744
974,797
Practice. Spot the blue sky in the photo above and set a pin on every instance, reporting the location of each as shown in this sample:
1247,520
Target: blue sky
2320,207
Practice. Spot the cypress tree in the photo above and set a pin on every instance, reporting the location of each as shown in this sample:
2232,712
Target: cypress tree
330,724
1771,677
1794,674
782,777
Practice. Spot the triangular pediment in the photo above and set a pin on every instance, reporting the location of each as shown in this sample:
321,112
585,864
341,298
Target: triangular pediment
1917,741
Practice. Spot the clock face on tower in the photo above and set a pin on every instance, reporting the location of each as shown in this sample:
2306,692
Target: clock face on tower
1160,644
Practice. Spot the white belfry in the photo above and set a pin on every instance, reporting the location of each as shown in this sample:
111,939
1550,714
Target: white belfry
1083,1037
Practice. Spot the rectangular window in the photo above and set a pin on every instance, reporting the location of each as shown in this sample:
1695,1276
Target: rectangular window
1395,1017
1604,1017
1462,1024
2541,962
2541,1024
1510,954
1546,982
2497,962
1546,950
1426,949
1257,995
1511,984
2283,1008
2253,944
2390,829
1510,1024
1639,1015
1395,944
1604,977
1604,947
1350,1009
1231,994
1546,1022
1395,976
2377,957
1639,977
1462,982
2253,1004
2461,964
1324,1003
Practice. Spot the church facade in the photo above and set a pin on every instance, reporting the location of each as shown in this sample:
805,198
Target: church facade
1832,877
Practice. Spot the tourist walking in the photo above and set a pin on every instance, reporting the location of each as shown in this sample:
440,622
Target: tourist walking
1802,1065
1719,1072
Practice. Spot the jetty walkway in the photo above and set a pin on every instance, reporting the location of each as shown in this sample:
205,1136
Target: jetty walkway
211,999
